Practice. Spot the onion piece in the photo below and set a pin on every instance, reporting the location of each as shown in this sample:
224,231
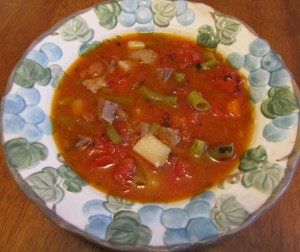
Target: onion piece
169,136
164,73
83,141
95,84
94,70
106,110
143,128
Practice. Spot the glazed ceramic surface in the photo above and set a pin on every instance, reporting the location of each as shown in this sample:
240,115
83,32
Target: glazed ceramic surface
261,177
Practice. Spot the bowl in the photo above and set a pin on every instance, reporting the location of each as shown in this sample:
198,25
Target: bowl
261,177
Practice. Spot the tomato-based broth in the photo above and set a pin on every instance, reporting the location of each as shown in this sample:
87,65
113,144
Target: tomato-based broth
152,117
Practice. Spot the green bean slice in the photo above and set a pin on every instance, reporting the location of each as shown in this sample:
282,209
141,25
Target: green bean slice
198,147
113,134
222,152
153,96
198,102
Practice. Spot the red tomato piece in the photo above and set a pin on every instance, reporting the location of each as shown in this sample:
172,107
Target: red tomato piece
103,144
104,161
124,172
181,169
183,56
120,81
230,83
128,135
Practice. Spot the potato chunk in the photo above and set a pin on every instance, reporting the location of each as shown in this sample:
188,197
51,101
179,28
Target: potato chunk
153,150
147,56
135,45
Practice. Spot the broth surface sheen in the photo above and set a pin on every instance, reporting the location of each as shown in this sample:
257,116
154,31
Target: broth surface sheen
152,117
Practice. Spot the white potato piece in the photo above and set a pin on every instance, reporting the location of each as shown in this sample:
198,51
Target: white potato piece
147,56
153,150
135,45
125,65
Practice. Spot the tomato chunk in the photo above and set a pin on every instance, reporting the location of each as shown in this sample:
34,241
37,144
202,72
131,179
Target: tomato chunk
181,168
103,144
104,161
183,56
230,83
120,81
124,172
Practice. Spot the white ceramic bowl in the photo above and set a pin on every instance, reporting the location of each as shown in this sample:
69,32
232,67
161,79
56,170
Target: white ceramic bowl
259,180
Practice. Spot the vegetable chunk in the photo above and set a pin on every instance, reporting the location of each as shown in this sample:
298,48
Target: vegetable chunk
147,56
152,150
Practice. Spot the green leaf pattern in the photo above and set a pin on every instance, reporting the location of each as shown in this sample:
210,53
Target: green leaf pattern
108,14
228,212
30,72
227,29
265,179
207,37
49,183
281,102
258,172
76,28
115,205
253,158
21,154
126,228
73,182
46,185
163,12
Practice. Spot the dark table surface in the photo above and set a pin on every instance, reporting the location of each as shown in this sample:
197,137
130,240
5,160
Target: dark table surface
24,228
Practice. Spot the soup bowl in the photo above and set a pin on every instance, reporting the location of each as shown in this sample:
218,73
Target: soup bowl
262,175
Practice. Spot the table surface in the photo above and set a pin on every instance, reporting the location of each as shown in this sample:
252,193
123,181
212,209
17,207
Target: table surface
25,228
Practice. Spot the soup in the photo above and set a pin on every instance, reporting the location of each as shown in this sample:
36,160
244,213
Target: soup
152,117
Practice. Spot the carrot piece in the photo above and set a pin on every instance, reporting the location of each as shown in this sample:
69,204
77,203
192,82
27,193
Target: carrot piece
234,108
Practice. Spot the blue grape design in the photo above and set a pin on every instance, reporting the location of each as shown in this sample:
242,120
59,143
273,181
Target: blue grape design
270,83
23,116
183,225
144,13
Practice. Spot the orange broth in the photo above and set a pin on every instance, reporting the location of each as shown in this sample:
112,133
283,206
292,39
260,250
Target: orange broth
177,67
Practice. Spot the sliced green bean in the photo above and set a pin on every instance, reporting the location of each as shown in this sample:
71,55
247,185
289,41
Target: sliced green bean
198,102
211,62
198,147
153,96
222,152
113,134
